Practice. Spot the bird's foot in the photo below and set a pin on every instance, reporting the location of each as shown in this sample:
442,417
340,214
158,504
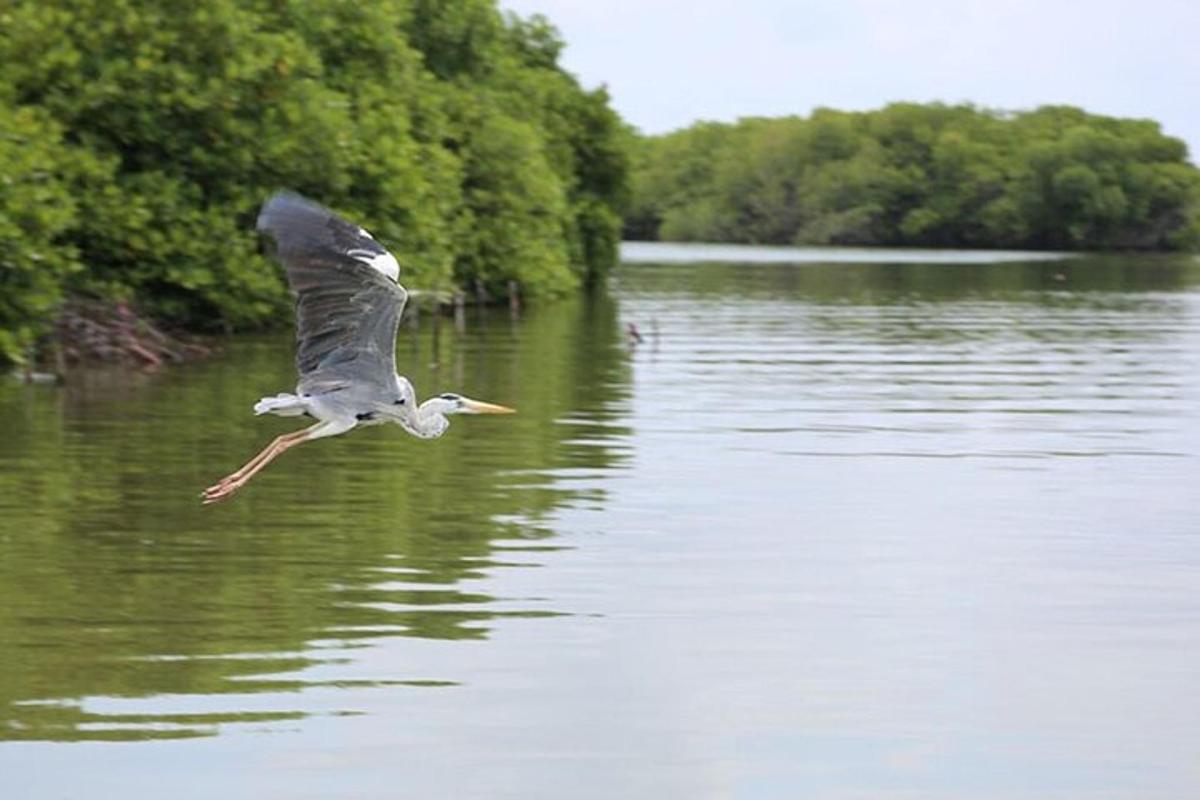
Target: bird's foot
219,491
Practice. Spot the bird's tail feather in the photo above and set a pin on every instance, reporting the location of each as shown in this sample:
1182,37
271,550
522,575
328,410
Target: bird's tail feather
285,405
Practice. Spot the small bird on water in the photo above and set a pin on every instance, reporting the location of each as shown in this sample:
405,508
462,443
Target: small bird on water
348,306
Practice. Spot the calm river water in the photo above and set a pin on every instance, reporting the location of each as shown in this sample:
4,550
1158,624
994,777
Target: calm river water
847,524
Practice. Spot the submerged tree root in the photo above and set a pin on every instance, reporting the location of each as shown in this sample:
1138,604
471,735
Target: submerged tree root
98,332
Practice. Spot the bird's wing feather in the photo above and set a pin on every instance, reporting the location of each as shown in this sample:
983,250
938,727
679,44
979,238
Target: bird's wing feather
348,300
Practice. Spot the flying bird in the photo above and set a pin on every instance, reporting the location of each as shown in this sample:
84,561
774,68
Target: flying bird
348,306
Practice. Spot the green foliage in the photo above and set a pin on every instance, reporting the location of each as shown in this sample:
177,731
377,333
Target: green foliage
448,129
515,207
37,209
929,175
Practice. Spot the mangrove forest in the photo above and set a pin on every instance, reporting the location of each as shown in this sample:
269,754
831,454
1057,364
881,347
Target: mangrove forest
929,175
139,137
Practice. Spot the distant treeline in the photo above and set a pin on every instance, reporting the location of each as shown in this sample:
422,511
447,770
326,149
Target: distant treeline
138,138
931,175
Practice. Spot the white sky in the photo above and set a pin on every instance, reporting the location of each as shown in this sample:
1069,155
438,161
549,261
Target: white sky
668,63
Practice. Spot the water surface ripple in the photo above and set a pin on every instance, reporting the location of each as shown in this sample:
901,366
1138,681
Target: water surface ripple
874,525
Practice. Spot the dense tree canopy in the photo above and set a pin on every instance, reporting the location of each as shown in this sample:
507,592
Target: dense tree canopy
138,138
930,175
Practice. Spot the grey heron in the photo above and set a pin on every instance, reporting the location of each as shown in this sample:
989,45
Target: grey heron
348,306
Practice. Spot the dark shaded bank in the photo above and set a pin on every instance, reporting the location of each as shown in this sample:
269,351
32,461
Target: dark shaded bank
89,332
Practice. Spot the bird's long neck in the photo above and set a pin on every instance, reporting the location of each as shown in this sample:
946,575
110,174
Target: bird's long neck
428,422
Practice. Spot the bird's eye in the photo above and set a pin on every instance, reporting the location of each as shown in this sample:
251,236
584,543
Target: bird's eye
399,402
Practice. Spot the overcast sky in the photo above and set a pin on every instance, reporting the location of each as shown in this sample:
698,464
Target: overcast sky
668,63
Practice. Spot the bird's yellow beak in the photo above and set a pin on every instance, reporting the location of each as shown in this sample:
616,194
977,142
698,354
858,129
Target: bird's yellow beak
479,407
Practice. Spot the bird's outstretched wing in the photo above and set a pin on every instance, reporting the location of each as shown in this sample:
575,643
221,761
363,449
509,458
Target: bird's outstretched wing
348,300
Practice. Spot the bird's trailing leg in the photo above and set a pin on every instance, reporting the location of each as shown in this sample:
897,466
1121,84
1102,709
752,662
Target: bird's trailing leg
270,451
281,444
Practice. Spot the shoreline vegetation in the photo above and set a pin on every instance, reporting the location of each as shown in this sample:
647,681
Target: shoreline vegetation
920,175
139,137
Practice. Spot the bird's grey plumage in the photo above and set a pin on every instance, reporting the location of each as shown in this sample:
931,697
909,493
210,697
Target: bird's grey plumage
348,306
348,301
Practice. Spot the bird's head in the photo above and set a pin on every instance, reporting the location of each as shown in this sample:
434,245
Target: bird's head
449,403
429,420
